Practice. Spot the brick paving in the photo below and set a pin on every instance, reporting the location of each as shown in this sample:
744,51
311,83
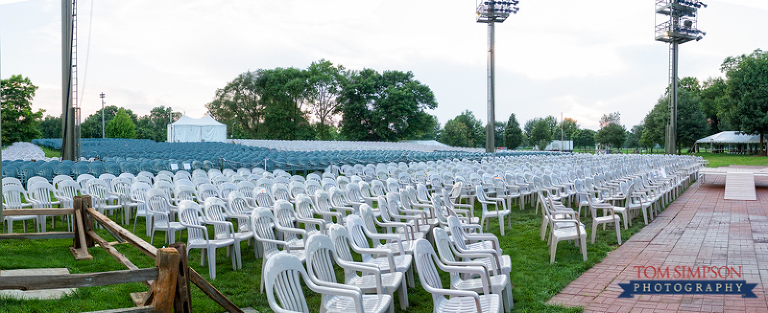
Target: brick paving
699,228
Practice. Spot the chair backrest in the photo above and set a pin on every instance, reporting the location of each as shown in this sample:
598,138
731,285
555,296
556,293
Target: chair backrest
305,206
41,193
284,274
377,188
313,186
424,256
12,196
159,205
263,197
225,189
262,224
321,257
356,229
190,215
280,192
206,191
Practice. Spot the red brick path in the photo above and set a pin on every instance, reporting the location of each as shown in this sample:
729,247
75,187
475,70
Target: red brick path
698,229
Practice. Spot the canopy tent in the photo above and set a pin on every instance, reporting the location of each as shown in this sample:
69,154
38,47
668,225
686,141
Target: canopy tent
730,141
204,129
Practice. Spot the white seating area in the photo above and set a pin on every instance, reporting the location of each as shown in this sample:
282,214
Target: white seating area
313,145
24,151
290,219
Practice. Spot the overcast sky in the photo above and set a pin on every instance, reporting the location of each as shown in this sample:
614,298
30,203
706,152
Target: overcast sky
583,58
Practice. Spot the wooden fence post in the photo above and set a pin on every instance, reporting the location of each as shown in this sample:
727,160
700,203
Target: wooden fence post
165,286
80,243
183,299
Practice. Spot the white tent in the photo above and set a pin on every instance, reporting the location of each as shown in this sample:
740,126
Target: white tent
730,141
205,129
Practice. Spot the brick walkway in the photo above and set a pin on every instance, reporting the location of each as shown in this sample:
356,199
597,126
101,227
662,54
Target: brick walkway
698,229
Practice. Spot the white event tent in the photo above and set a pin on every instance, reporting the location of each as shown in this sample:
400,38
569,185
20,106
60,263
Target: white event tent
729,141
204,129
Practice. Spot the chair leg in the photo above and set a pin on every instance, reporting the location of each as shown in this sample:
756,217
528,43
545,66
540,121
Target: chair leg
501,223
552,251
584,246
594,230
212,263
618,231
403,296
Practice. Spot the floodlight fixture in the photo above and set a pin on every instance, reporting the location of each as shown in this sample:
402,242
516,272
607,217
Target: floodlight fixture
676,23
491,12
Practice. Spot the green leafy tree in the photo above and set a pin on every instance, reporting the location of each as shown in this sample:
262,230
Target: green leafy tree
456,134
713,102
633,136
91,127
498,138
325,85
585,138
19,121
748,92
385,107
283,91
121,126
612,135
654,124
691,124
434,133
239,103
513,135
611,118
50,127
541,135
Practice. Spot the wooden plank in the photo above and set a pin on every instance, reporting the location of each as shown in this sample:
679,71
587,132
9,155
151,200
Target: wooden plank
79,247
42,282
139,243
143,298
48,235
165,287
740,186
143,309
183,300
212,292
119,257
55,211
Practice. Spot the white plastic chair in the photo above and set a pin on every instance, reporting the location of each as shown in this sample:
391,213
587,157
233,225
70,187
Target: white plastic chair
12,201
500,214
499,283
216,211
162,212
263,226
286,295
321,256
191,217
448,300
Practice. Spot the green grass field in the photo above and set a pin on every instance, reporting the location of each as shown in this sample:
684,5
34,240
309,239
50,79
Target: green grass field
724,159
535,280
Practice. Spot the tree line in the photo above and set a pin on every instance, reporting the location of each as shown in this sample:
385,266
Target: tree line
329,102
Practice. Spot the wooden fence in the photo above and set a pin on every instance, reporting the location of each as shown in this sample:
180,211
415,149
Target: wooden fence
169,281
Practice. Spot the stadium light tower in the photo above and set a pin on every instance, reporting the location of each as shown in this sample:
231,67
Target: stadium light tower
492,12
678,26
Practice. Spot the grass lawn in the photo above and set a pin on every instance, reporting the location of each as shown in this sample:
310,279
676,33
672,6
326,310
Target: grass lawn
725,159
535,280
51,153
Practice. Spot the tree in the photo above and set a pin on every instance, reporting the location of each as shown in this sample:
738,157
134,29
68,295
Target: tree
713,101
585,138
282,93
748,92
325,82
633,136
385,107
691,124
498,138
121,126
455,134
541,135
613,135
513,135
614,118
465,130
434,133
654,124
91,127
239,102
50,127
19,122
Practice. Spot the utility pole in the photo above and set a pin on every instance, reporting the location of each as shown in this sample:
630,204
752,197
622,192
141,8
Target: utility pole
103,130
490,12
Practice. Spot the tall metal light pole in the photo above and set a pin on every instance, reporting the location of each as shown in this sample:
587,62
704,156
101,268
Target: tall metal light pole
491,12
103,130
679,26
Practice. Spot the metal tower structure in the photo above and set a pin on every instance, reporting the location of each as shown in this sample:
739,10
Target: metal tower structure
678,25
492,12
70,110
